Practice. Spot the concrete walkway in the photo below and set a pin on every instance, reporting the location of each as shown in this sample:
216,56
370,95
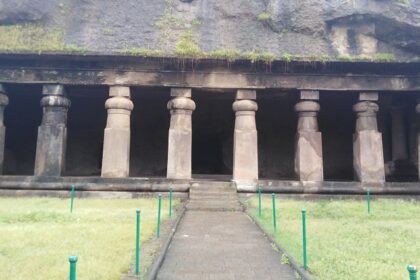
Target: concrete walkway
221,245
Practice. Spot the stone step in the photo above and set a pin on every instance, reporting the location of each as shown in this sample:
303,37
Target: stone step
214,205
205,200
214,188
214,193
214,197
212,182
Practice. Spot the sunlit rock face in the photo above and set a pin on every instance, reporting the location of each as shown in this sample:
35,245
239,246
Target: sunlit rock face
300,27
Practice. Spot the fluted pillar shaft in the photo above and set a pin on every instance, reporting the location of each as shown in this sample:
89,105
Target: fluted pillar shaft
4,101
245,140
308,152
368,158
180,134
116,150
52,133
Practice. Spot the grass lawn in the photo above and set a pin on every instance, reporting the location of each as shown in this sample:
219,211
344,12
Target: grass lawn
37,235
344,242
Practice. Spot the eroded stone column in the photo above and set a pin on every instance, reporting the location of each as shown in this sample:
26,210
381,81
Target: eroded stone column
398,134
52,133
308,153
368,158
116,152
181,108
4,101
245,140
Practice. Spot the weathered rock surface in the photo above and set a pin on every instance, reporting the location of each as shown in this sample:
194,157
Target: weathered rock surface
12,12
299,27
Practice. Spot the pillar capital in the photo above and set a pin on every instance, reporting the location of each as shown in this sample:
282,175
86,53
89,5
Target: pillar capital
366,115
54,96
55,101
181,104
118,102
309,108
245,105
366,108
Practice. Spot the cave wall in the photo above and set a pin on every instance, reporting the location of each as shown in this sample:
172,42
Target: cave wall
312,28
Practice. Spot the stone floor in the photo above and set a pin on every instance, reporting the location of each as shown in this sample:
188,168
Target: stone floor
221,245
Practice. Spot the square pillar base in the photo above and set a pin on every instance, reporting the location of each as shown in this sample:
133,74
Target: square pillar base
368,157
308,157
116,155
245,157
179,154
50,150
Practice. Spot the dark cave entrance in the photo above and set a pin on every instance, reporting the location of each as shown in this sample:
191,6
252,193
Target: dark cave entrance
212,140
22,117
85,130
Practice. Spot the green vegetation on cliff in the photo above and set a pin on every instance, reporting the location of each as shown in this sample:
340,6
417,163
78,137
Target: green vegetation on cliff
36,38
33,38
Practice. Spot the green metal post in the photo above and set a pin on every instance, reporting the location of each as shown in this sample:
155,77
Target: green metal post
71,199
273,198
73,261
305,259
159,206
137,241
170,203
368,200
412,270
259,202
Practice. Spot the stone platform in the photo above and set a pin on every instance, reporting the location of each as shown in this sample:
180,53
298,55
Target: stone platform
134,184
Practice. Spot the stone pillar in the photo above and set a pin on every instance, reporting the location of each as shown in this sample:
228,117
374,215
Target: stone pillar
4,100
116,151
412,142
398,134
52,133
368,158
181,108
245,140
418,136
308,152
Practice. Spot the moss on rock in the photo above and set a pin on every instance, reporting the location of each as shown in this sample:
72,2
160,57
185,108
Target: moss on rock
33,38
